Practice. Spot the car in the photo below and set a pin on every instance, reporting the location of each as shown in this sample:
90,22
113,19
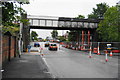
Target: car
53,46
47,44
36,44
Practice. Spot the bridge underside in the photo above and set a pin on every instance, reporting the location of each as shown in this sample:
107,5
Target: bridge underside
85,27
60,28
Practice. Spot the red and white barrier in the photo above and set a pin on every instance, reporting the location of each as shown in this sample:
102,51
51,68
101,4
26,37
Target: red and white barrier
90,52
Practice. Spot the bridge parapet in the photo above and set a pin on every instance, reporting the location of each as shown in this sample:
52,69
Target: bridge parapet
64,22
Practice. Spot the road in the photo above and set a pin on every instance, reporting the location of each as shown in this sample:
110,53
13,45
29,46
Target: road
67,63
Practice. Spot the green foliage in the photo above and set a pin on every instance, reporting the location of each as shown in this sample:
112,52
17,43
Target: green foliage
34,36
99,11
62,38
72,35
108,28
92,16
25,21
11,29
81,16
54,34
10,18
23,1
8,13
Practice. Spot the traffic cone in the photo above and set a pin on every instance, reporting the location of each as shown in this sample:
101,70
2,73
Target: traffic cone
111,53
73,48
106,60
90,56
90,51
42,54
98,53
76,48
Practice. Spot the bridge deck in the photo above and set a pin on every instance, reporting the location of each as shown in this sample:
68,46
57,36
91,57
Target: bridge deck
63,23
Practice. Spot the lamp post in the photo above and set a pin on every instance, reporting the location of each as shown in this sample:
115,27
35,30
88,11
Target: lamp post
20,44
20,33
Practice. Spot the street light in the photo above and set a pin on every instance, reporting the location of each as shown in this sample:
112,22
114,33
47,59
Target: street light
21,24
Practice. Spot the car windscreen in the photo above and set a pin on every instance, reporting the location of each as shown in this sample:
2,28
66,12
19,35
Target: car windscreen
53,45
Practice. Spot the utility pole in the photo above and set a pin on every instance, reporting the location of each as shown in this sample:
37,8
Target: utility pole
20,34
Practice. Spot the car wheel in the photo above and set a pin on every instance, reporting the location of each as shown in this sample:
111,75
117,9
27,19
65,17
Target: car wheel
56,49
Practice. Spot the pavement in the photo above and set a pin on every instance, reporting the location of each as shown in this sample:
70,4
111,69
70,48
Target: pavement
28,66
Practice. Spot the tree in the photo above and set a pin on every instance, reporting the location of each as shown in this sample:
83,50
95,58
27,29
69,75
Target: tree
99,11
61,38
108,28
81,16
54,34
10,13
10,16
34,36
72,35
92,16
11,29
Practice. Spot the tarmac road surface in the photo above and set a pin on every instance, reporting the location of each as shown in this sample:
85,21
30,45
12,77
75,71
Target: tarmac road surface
67,63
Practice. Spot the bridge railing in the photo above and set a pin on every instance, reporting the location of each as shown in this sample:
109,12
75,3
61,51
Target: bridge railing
43,22
56,23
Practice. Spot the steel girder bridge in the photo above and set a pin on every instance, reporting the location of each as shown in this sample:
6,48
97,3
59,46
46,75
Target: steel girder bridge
85,26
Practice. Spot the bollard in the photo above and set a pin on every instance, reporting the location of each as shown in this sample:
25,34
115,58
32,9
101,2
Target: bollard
98,51
42,52
106,58
111,53
90,52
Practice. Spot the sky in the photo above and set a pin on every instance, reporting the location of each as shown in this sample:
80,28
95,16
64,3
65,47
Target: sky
62,8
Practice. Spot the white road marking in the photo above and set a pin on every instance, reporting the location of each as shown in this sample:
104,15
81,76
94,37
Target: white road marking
44,59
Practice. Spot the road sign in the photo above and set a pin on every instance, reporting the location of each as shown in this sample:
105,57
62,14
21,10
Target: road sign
109,46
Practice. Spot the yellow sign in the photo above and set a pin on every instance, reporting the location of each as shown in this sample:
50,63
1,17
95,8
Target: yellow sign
108,48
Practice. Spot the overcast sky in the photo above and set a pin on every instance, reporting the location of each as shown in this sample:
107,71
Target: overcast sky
62,8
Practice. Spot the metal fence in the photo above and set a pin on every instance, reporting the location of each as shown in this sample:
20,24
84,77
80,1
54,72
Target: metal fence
99,46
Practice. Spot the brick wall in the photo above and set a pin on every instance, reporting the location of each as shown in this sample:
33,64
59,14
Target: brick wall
9,47
5,47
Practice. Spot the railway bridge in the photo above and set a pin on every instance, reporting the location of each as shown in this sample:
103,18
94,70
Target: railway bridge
85,27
